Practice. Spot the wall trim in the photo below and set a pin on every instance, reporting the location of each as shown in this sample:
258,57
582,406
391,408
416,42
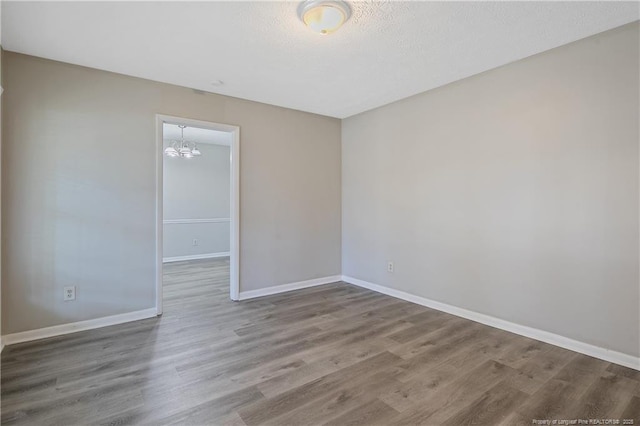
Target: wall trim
252,294
533,333
219,143
195,257
74,327
205,220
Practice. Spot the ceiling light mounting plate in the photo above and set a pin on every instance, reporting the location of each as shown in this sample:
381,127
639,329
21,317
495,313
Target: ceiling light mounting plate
324,16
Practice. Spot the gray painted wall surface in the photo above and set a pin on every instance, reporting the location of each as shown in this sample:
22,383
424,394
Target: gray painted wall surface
1,84
197,188
79,190
513,193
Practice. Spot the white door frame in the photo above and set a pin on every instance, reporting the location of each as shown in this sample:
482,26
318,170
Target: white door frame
234,290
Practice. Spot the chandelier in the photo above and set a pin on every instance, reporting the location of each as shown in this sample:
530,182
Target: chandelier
182,148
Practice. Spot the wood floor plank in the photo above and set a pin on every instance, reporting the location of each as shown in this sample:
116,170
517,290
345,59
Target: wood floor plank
606,398
333,354
489,409
448,400
624,371
632,410
421,387
339,401
281,404
536,370
549,402
216,408
372,413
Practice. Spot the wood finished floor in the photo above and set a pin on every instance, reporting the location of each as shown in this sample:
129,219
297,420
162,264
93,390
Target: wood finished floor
334,354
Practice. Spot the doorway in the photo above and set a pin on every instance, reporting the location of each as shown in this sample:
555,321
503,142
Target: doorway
187,143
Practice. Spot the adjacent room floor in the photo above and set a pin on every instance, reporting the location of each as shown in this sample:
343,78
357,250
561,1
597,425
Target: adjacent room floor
333,354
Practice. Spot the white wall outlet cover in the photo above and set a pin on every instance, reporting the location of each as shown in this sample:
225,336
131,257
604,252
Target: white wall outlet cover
70,293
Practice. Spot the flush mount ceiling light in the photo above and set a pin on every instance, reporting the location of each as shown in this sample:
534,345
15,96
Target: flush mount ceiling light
324,16
182,148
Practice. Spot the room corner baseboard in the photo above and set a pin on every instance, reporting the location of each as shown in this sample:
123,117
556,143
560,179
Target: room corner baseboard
74,327
252,294
195,257
533,333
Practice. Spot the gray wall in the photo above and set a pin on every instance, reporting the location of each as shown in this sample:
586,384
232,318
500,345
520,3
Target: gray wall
1,84
79,190
513,193
197,188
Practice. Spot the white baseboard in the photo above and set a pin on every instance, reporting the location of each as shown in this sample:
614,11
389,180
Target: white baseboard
244,295
58,330
195,257
533,333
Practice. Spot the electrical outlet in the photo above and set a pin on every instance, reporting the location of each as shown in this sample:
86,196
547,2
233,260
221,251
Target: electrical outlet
390,267
70,293
195,242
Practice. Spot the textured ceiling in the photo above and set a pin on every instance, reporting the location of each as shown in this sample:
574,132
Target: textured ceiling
387,51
